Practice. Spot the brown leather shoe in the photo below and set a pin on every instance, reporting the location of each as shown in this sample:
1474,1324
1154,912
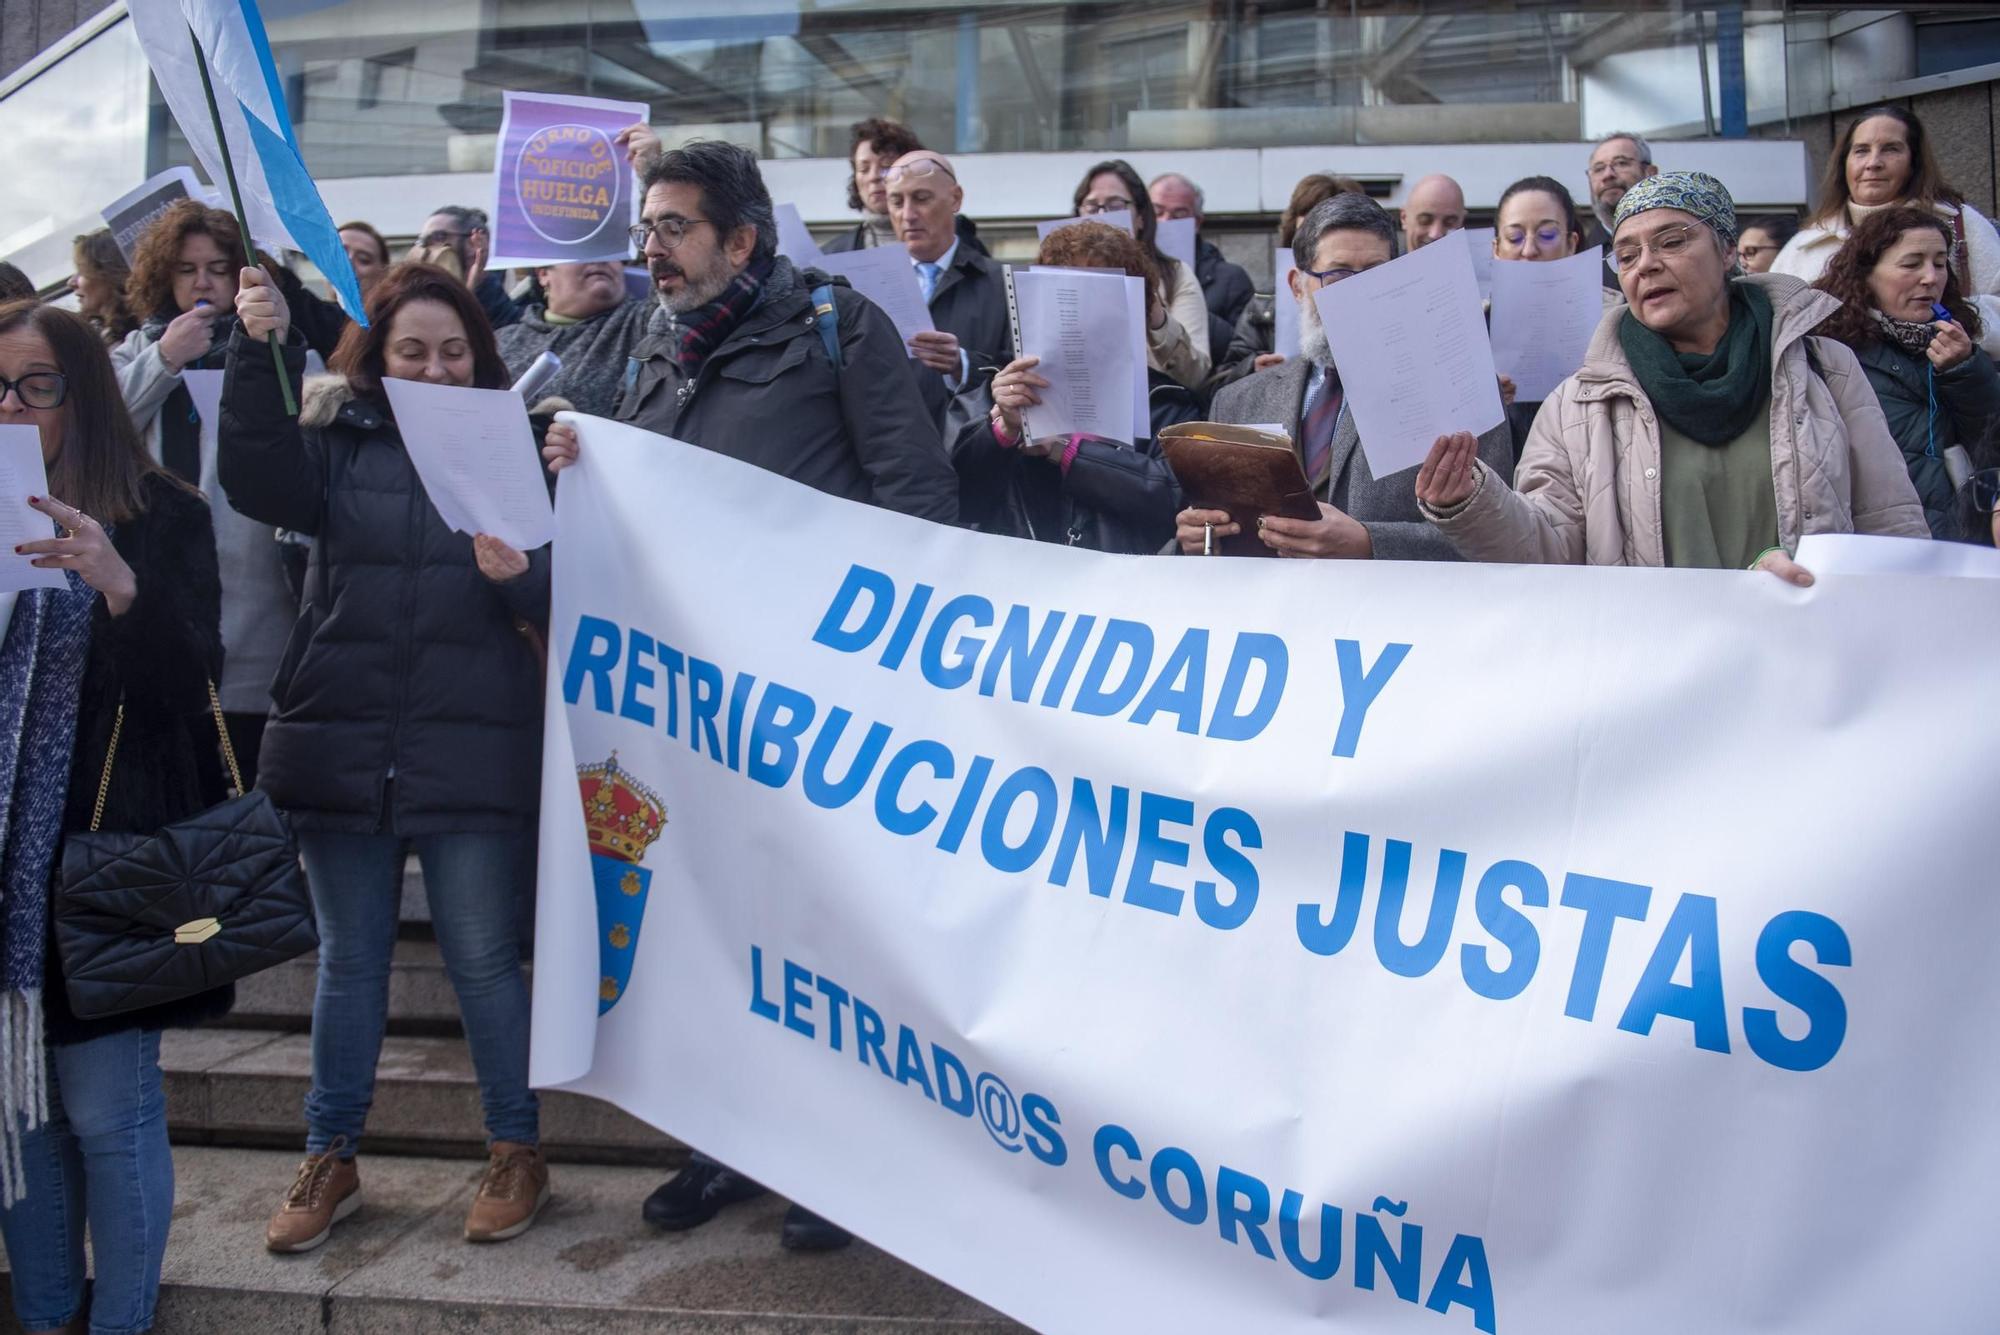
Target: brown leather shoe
512,1193
326,1191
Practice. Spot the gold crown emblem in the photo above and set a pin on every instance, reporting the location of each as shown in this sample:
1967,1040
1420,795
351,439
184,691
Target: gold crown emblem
621,815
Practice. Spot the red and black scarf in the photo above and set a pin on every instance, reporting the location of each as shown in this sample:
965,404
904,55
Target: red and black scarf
703,328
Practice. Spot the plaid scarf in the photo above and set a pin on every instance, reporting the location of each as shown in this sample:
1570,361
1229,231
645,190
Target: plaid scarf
41,678
703,328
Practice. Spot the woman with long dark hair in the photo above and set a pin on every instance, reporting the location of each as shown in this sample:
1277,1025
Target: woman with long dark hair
126,649
1884,159
1176,335
406,710
1915,334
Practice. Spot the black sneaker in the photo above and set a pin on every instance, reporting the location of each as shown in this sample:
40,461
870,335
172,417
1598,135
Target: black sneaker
807,1232
696,1195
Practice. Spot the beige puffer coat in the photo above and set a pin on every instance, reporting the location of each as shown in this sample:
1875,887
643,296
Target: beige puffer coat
1587,491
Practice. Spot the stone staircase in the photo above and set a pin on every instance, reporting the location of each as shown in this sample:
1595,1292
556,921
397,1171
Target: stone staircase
399,1266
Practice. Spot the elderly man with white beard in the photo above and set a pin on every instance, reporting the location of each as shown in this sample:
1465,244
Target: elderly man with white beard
1361,516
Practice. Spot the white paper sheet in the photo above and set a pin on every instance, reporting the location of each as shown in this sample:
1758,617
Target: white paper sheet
1479,241
1875,554
885,275
22,475
1284,306
795,243
1142,389
1121,219
1410,342
476,454
1175,237
1079,323
1544,313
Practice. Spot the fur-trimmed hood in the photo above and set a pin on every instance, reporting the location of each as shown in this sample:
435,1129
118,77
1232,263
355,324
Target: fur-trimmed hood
329,398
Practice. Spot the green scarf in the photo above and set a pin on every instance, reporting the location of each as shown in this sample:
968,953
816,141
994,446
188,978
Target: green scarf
1713,398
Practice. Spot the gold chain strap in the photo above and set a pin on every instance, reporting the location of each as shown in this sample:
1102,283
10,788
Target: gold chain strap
118,730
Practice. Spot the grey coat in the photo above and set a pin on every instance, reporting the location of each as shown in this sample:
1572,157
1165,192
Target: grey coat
257,604
593,351
1386,507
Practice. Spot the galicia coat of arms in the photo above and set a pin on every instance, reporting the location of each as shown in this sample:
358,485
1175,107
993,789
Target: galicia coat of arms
622,817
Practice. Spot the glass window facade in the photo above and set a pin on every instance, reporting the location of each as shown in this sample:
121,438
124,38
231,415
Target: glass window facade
386,87
80,130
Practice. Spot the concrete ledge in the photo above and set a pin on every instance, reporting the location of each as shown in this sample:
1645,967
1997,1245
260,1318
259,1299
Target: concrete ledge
399,1266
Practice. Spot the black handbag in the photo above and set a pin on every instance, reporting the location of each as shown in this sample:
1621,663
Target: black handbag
146,919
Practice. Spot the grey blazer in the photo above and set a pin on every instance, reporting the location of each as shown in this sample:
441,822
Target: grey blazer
1386,507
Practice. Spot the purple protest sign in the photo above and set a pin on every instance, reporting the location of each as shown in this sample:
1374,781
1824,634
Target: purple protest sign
562,190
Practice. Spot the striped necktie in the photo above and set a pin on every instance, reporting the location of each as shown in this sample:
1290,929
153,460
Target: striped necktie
927,275
1317,427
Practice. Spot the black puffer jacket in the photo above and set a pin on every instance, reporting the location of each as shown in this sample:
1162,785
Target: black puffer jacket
407,701
1112,497
159,657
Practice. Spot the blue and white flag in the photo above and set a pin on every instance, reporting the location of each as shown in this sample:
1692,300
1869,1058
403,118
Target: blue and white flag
279,197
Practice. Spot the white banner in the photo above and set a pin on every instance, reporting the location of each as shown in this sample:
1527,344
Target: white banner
1178,945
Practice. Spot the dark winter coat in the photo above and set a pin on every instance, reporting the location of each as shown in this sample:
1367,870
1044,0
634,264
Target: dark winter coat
768,395
407,701
1227,289
971,303
501,308
1967,411
1112,497
159,656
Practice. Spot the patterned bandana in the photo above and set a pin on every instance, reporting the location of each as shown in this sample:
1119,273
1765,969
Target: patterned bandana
1690,192
704,327
1908,335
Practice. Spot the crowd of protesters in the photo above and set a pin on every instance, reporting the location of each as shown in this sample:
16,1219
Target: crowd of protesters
1751,382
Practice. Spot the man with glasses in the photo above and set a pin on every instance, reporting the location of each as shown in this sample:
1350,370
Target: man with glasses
462,234
1361,516
1619,161
964,289
743,370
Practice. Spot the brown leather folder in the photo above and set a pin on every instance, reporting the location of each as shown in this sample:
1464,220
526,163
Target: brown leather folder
1245,472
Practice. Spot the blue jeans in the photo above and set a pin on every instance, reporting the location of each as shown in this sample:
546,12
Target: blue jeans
102,1158
475,883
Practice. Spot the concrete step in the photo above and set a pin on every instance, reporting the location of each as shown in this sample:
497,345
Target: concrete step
400,1267
421,1000
248,1087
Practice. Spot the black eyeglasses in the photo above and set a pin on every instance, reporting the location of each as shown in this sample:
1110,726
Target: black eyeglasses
38,389
441,238
670,231
1986,490
1327,276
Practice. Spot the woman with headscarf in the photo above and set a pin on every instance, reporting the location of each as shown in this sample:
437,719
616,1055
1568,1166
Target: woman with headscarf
1709,426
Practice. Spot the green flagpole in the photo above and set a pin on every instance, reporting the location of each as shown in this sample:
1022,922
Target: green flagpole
242,219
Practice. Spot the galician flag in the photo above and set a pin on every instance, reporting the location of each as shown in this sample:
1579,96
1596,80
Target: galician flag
279,197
